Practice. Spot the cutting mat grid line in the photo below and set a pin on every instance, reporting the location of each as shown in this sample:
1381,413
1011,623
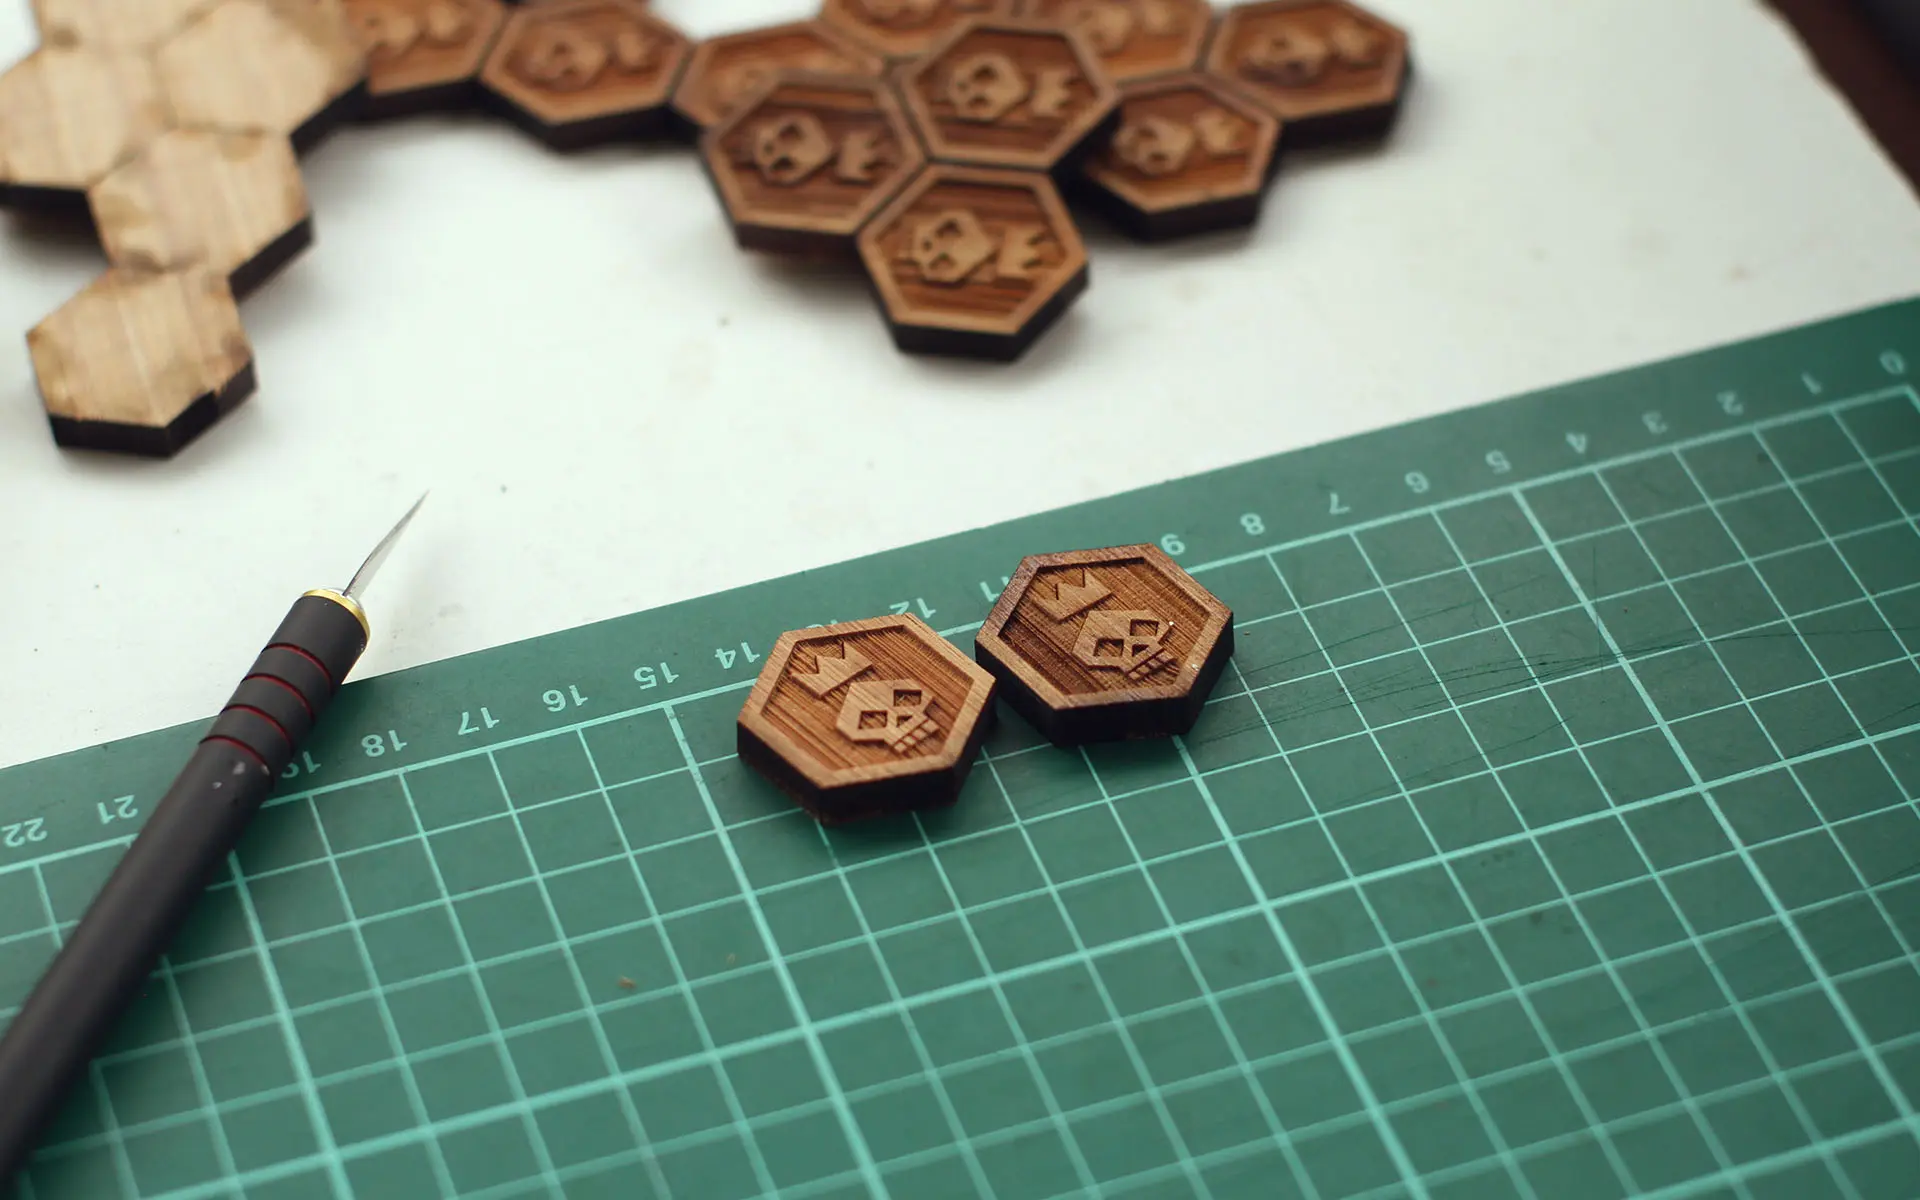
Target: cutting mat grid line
1551,839
1905,457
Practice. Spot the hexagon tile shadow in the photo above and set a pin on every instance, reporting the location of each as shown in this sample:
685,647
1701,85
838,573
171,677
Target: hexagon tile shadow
938,143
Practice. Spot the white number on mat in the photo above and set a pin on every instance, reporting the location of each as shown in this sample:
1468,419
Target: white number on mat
14,837
119,809
376,744
647,677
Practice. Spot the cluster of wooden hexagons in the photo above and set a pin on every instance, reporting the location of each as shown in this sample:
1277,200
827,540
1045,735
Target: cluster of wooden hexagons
938,140
867,718
175,125
949,170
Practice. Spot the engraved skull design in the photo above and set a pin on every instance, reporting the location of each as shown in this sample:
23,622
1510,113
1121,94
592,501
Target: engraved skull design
888,711
1153,145
389,32
1293,57
789,148
985,87
950,246
568,57
1131,641
1109,26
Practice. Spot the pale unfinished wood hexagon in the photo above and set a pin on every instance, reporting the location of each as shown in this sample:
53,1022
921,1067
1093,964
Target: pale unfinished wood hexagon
233,202
69,116
120,24
291,67
142,361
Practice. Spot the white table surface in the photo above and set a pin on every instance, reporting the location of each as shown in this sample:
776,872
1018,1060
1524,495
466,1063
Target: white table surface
616,409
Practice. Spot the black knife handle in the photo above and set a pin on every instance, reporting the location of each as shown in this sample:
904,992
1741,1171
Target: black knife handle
111,954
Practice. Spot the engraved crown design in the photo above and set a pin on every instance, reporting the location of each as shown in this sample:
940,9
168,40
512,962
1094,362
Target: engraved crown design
833,666
1070,599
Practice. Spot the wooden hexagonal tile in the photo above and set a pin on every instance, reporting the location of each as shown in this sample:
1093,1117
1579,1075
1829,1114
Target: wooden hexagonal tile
286,67
232,202
423,54
1009,93
1327,68
903,28
142,361
1135,39
112,24
810,161
1100,645
974,262
69,116
1191,155
725,72
866,718
575,73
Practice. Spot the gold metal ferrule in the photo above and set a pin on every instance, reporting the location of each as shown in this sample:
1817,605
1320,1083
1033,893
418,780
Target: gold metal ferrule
350,604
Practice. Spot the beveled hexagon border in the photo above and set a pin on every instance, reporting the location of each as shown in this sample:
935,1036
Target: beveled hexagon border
1068,145
953,752
1059,220
1394,76
762,234
1205,661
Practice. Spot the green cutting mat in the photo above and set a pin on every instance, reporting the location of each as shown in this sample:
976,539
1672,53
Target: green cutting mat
1553,836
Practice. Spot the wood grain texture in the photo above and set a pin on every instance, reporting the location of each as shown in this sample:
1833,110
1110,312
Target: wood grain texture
810,161
1104,645
112,24
1328,69
1135,39
69,116
1007,93
1191,155
974,262
867,717
423,54
902,29
286,67
576,73
142,361
231,202
725,72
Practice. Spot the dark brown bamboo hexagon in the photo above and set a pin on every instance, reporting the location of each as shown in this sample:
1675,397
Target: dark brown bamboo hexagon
1327,68
1135,39
576,73
1104,645
1009,93
810,161
866,718
727,72
973,262
423,54
1191,155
